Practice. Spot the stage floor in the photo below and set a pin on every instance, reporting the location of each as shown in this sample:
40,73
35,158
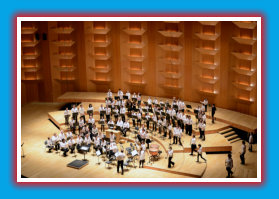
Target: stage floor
37,163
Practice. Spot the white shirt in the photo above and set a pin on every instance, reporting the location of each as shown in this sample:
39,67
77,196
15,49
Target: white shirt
90,108
71,142
193,141
81,111
54,139
79,140
66,112
121,156
63,145
96,141
91,120
119,123
243,149
126,125
101,109
74,110
139,115
175,131
179,132
154,118
81,122
170,152
229,163
109,94
142,155
69,134
143,147
112,138
122,110
251,139
200,150
149,101
62,136
87,140
128,94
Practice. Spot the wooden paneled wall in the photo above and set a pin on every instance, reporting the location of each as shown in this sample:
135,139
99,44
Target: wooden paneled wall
189,60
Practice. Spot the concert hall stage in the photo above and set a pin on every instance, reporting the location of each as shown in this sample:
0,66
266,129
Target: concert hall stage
220,139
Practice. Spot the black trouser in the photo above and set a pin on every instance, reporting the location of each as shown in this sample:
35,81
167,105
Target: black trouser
139,138
179,140
203,135
242,158
165,131
102,127
101,116
193,148
174,139
169,134
75,117
160,129
250,147
190,129
182,126
78,147
73,129
154,126
49,148
200,132
187,129
148,141
212,115
123,118
57,146
173,122
120,164
124,132
205,108
108,118
147,124
139,121
67,119
65,150
229,170
141,163
200,155
134,123
170,162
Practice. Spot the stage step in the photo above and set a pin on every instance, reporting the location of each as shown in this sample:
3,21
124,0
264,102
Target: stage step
233,137
235,140
225,131
228,134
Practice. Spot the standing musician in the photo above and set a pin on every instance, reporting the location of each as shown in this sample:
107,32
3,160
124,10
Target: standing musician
169,112
139,99
64,147
170,130
205,102
67,115
72,144
120,161
203,125
170,156
116,111
91,122
154,119
55,141
251,141
229,165
133,119
109,94
138,118
147,120
242,153
49,144
72,125
120,94
164,125
190,125
179,134
200,153
175,135
100,110
213,110
184,123
122,113
102,124
179,118
81,112
87,141
128,94
90,110
147,138
149,102
160,125
108,112
142,157
74,111
173,113
193,144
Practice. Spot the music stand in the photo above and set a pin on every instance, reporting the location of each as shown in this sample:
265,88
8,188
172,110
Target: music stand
110,126
144,110
188,106
102,122
103,112
145,103
84,149
125,97
175,106
98,153
90,112
116,97
163,113
134,98
150,110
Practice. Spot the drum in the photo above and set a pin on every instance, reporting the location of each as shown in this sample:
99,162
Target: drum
155,146
153,151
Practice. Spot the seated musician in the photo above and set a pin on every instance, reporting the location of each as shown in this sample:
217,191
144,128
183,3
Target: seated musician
119,124
97,143
100,110
126,127
138,118
112,149
81,112
74,111
102,120
155,101
122,112
64,147
108,112
62,135
116,112
81,123
90,109
72,144
55,141
112,137
94,131
111,124
100,135
67,115
87,141
147,116
91,122
49,144
79,142
69,135
103,145
72,125
109,94
128,94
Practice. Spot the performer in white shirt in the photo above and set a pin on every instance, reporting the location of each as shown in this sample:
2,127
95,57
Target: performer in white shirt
205,102
128,94
179,135
184,123
90,110
81,112
49,144
203,125
91,122
119,124
175,135
67,116
108,112
69,135
122,113
149,102
87,141
134,114
81,123
100,110
154,121
120,161
64,147
200,153
139,99
112,137
170,130
229,165
242,152
120,94
111,124
190,125
109,94
126,127
73,125
79,142
170,156
62,135
138,119
147,116
74,113
193,144
251,141
72,144
142,157
55,141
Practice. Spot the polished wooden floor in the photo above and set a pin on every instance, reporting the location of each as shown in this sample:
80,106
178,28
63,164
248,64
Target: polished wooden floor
38,164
